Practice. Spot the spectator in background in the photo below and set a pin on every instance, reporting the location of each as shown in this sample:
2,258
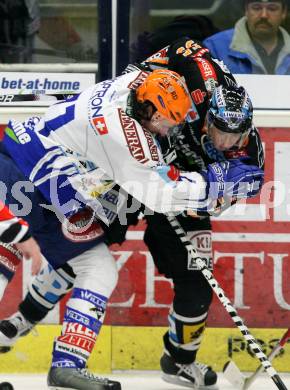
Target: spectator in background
197,27
257,43
64,40
20,20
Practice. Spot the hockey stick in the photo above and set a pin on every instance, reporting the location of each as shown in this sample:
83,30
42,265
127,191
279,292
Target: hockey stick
30,97
227,304
234,375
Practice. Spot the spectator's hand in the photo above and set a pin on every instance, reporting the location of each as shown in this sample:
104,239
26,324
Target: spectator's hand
31,250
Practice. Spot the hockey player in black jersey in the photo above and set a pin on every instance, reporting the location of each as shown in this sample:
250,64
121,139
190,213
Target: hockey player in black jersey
220,127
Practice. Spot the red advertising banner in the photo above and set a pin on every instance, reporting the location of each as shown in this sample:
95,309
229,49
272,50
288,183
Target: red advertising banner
251,259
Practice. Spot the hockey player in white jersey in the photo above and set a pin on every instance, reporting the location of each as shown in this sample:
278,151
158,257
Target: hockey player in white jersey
110,127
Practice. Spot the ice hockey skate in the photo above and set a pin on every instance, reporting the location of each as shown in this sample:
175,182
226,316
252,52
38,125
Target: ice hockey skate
11,329
78,379
194,375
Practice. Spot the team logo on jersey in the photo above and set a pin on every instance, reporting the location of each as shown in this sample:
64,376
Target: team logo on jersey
132,137
208,74
198,96
190,48
16,131
192,266
201,240
97,120
192,116
206,69
82,227
138,80
192,332
100,125
152,146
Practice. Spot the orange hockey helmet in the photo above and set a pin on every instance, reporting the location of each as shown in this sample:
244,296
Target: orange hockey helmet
168,92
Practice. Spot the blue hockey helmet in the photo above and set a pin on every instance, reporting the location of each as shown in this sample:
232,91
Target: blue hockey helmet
231,109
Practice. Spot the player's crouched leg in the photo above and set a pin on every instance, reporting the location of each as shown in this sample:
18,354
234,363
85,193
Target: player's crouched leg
187,321
96,278
44,292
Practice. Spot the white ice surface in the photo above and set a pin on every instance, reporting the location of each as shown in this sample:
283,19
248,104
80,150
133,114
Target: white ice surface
138,381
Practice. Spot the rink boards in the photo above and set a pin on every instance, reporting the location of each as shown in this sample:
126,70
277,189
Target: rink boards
140,348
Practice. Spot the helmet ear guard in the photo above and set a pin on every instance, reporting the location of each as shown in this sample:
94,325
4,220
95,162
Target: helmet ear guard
167,91
231,110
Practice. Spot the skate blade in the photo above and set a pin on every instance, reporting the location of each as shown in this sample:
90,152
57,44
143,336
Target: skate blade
233,374
178,380
61,388
175,380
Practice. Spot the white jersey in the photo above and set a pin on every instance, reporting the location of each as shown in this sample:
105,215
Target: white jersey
94,127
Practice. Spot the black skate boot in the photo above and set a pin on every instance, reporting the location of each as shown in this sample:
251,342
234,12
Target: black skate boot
11,329
60,378
194,375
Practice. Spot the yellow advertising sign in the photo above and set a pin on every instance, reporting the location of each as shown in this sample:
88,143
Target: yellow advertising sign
140,348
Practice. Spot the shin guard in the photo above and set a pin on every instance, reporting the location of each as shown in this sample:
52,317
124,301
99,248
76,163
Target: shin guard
183,339
83,319
45,291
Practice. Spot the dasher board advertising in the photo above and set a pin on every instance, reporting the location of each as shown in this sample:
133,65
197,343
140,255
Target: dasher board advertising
40,85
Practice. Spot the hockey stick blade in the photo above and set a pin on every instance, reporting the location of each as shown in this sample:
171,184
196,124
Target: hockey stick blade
233,374
41,99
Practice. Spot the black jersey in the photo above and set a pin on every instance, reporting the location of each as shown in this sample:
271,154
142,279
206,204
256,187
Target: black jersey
191,148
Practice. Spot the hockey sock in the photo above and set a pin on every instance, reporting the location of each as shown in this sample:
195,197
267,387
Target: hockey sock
183,339
82,322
